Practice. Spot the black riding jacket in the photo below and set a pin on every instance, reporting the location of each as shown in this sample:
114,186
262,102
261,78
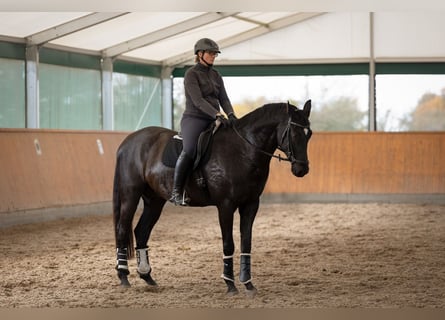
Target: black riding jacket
205,93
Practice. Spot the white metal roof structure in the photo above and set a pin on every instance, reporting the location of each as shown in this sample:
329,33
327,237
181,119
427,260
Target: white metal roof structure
167,38
157,38
273,38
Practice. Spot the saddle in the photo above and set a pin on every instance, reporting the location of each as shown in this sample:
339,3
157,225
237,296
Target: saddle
174,148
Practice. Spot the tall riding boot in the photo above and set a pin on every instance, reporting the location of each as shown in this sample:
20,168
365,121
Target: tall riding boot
183,166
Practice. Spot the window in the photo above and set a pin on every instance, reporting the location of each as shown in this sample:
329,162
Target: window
410,102
137,102
12,93
339,103
69,98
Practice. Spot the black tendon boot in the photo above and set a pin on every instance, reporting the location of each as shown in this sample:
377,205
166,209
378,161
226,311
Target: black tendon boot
245,276
122,266
228,269
228,275
183,166
122,263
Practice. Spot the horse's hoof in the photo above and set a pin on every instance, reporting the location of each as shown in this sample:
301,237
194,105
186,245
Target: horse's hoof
125,283
148,279
251,291
231,288
124,280
232,292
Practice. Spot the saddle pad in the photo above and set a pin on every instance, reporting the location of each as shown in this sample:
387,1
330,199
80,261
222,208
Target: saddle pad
174,148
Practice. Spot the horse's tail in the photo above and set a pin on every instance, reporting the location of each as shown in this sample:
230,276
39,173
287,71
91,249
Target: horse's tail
117,213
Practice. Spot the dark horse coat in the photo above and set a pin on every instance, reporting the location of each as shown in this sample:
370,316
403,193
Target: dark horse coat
235,175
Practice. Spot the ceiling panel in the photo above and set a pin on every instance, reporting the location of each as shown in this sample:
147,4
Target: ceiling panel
185,41
23,24
334,35
122,29
340,35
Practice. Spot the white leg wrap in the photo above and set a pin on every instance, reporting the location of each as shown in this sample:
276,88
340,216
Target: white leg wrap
246,282
142,259
227,278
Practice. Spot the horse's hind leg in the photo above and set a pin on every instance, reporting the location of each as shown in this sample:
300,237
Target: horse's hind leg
247,216
150,215
124,237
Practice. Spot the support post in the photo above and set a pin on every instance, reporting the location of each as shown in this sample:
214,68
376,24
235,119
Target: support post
107,94
167,97
372,102
32,87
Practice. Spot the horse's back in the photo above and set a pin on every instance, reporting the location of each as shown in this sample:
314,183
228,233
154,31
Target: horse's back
145,137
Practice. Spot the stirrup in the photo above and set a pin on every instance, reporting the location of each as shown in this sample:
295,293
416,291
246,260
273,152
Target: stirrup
177,199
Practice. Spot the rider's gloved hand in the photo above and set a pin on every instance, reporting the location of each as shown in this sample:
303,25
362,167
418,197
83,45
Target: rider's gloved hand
224,122
232,119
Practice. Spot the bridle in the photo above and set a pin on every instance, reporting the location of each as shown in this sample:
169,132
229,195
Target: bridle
286,133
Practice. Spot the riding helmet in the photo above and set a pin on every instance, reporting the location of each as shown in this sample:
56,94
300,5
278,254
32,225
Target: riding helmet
206,44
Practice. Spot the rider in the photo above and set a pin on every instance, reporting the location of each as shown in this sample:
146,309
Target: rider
204,94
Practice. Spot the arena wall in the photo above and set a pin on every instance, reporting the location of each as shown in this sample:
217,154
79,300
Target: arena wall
368,163
49,168
52,168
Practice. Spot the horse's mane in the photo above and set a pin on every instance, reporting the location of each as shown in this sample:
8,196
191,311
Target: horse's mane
267,111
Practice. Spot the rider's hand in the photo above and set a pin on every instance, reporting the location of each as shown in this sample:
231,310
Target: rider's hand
232,119
224,122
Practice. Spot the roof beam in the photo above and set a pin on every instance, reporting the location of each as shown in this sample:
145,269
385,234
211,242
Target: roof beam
273,26
71,26
247,35
164,33
251,21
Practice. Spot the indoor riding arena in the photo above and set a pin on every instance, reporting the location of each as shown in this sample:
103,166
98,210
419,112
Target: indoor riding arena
365,228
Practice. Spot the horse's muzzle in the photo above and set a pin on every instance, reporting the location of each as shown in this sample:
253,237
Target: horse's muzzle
300,169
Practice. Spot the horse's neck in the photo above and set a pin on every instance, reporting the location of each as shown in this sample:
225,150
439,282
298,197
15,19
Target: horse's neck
263,133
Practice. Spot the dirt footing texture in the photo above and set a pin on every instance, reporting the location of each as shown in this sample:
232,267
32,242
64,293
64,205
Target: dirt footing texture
304,255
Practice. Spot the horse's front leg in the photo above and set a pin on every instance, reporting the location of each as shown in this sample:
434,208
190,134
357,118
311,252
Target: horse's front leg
225,215
150,215
247,216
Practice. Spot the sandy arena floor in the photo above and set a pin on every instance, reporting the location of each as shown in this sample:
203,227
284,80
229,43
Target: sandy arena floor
304,255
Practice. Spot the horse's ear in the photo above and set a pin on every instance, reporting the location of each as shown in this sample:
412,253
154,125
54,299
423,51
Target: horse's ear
307,108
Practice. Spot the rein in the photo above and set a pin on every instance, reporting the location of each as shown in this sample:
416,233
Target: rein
289,154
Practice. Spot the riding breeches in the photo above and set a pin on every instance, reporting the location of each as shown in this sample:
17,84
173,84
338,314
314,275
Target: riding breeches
191,128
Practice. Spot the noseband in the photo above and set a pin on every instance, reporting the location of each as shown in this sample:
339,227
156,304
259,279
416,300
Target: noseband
286,133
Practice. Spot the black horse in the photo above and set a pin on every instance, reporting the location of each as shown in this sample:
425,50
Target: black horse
235,174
